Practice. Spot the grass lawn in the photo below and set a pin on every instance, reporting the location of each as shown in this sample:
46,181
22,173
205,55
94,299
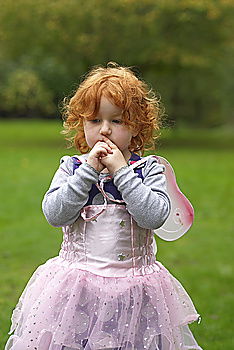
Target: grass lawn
201,260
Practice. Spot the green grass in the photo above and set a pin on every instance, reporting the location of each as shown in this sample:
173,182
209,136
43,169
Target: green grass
201,260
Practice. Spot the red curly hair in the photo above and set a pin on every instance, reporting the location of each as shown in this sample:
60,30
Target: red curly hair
142,110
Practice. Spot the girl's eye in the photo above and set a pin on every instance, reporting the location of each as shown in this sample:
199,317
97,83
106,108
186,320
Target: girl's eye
117,121
95,121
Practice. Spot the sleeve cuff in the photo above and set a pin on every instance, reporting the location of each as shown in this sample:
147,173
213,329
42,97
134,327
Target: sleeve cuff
120,170
92,168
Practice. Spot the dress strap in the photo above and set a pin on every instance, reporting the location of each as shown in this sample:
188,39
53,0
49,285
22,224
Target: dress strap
104,206
101,189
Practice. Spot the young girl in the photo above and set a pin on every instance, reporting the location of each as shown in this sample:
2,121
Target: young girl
106,290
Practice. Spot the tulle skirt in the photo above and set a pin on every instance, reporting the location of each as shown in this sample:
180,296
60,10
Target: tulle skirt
65,308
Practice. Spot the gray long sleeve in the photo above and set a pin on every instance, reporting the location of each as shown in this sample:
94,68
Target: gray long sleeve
146,201
68,192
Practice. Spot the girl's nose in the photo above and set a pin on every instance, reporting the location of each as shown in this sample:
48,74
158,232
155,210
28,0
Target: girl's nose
105,128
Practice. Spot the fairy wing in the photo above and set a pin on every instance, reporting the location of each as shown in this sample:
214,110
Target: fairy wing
181,215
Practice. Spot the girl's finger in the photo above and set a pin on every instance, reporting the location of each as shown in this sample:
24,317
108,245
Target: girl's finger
103,151
105,145
109,142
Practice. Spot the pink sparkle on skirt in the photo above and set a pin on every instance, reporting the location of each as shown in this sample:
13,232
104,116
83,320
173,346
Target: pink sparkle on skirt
64,308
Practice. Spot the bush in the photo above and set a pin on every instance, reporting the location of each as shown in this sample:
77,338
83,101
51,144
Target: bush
24,91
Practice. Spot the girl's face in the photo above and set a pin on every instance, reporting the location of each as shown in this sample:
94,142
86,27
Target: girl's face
108,122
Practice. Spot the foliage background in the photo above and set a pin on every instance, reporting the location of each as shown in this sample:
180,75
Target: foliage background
183,48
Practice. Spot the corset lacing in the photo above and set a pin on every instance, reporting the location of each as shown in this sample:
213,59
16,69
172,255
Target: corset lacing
104,206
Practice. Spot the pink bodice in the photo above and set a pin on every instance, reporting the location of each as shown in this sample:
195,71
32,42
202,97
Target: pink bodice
111,244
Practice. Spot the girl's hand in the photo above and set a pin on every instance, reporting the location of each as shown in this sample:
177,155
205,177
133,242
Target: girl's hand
114,160
99,150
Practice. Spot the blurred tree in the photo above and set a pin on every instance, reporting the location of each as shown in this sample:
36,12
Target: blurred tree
24,93
182,47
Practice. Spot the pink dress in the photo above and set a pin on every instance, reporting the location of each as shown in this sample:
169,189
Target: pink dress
105,290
